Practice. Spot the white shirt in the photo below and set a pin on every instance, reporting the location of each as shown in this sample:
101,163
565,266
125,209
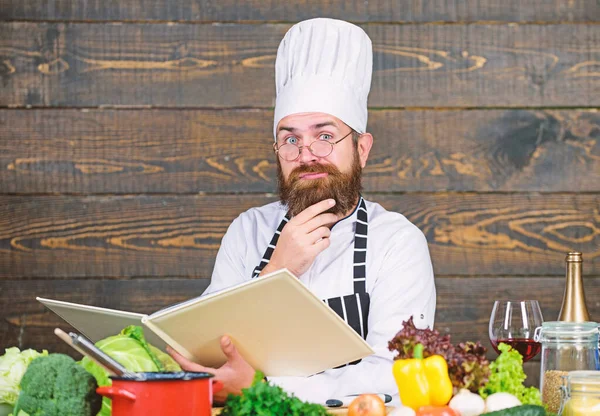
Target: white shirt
399,282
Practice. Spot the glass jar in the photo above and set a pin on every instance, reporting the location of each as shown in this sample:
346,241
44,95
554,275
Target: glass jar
566,346
582,395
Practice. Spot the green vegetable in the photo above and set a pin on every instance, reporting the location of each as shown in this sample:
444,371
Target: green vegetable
525,410
264,399
507,376
137,333
102,379
21,413
5,409
56,386
131,349
12,367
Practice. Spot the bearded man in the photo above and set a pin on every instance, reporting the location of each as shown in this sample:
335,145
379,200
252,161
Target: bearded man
370,265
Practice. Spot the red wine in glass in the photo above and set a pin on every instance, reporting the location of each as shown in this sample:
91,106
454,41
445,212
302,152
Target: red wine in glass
514,322
528,348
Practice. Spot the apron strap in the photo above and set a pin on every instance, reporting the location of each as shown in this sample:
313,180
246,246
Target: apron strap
360,248
271,247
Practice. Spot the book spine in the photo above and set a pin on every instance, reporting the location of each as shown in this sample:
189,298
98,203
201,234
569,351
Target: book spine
170,341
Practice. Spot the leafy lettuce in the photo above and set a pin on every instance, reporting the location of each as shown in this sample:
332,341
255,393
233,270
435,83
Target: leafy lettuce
507,376
131,350
12,367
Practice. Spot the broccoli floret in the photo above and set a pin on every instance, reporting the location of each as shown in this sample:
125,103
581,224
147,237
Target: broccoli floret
56,385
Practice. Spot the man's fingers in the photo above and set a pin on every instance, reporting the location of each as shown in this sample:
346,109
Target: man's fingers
188,365
176,356
319,233
320,220
313,211
320,245
228,348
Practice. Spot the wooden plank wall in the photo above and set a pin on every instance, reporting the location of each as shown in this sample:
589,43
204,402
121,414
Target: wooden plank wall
133,132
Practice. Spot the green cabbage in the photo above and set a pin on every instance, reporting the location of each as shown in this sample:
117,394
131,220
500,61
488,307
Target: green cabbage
12,367
131,350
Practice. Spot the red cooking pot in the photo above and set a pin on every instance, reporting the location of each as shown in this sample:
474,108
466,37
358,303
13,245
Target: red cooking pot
181,393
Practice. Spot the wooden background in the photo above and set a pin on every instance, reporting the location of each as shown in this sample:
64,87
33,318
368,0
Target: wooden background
133,132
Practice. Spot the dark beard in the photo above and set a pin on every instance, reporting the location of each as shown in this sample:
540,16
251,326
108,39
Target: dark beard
343,187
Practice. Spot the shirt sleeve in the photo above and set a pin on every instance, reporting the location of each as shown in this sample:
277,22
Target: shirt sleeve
404,287
229,264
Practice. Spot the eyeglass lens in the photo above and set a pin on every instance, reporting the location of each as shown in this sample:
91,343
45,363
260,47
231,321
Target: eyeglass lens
319,148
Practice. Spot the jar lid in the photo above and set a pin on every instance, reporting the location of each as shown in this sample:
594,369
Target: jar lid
585,375
566,330
569,327
584,379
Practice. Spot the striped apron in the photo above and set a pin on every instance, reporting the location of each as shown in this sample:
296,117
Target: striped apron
354,308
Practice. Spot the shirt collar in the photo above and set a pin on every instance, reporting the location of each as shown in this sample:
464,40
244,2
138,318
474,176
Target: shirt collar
350,218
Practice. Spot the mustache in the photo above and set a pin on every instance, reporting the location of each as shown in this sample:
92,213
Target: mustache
314,168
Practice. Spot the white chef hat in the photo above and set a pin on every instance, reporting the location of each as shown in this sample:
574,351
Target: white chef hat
324,65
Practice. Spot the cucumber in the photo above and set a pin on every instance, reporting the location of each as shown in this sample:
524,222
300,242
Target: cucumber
524,410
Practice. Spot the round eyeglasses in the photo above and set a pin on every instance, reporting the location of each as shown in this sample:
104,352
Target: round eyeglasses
319,148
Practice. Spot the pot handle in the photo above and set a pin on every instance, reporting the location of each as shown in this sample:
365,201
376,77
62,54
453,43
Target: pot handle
112,392
217,386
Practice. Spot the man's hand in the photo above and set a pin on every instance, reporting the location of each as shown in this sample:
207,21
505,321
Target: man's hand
302,239
236,374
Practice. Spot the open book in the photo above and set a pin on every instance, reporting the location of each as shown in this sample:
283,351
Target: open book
278,325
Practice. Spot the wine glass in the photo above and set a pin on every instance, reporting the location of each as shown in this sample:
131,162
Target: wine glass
513,322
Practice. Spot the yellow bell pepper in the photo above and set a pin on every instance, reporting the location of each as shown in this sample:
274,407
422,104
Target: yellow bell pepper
423,382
